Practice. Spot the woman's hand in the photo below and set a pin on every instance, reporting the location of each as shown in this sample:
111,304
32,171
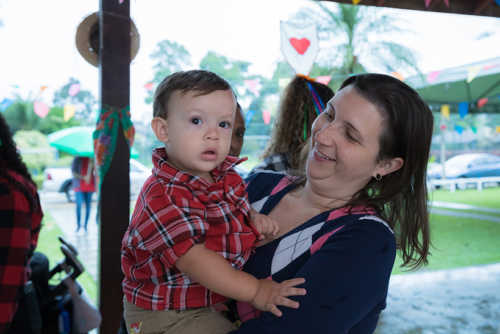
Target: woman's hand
271,294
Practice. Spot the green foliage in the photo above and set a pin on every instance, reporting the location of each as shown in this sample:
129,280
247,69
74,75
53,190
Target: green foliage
35,150
54,121
84,101
170,57
20,116
234,71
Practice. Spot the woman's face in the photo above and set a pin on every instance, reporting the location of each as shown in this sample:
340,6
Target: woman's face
345,144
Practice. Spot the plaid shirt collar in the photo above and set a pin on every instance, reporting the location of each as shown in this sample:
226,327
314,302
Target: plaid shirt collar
163,169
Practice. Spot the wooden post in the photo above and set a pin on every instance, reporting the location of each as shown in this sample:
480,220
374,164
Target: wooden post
114,85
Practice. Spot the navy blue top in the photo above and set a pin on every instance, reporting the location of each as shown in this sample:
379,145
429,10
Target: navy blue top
345,256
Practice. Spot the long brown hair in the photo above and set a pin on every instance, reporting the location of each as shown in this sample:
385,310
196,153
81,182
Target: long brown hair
400,197
296,110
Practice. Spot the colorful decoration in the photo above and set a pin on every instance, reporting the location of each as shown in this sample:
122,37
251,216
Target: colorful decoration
105,136
69,112
74,89
398,76
40,108
149,86
252,85
248,116
323,79
442,127
431,77
473,128
120,1
497,129
5,104
497,2
447,3
43,88
427,3
445,111
266,116
355,2
299,45
472,72
459,129
463,109
482,102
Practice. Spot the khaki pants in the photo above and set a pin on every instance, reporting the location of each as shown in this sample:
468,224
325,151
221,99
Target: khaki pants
196,321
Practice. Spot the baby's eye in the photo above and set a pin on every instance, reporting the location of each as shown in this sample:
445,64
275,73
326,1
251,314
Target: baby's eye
225,124
195,120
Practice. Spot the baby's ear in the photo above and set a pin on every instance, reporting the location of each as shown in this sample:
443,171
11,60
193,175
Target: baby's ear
159,126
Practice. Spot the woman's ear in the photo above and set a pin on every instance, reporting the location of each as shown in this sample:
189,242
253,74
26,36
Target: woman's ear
159,126
389,165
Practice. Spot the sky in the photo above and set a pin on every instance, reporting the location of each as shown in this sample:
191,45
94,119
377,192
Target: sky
38,40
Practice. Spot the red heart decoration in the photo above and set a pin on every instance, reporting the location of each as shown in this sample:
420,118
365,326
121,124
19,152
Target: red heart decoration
300,45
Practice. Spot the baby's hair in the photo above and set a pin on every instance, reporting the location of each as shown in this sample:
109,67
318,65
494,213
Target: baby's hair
199,81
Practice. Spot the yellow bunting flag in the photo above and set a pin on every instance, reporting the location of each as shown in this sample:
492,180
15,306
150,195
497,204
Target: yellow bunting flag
69,111
498,129
355,2
472,72
445,110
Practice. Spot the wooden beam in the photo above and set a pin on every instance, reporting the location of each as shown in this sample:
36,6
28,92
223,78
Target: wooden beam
467,7
114,202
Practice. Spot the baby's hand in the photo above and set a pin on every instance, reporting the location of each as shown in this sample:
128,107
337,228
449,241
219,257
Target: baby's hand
267,227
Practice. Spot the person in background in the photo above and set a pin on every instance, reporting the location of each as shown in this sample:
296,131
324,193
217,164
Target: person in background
303,99
20,223
83,172
238,132
363,195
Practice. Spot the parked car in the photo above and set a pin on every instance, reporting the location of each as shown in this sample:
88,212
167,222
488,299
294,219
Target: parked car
467,165
59,179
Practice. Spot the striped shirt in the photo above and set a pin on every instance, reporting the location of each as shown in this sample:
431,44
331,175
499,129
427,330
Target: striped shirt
175,211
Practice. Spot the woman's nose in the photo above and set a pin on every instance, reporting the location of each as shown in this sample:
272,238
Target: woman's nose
325,134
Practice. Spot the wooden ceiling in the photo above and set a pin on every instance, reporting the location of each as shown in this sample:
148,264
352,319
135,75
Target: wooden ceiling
468,7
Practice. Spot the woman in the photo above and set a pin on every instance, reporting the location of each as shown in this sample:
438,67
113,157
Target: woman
20,217
302,100
363,196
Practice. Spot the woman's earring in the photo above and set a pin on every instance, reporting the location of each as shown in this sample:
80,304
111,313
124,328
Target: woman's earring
378,177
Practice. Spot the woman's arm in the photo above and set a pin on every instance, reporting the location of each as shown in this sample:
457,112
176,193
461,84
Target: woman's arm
346,283
214,272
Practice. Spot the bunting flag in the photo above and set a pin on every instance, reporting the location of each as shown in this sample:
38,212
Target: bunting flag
498,127
252,85
40,108
355,2
431,77
427,3
43,88
248,116
149,86
5,104
445,111
299,45
497,2
74,89
459,129
69,112
472,72
323,79
398,76
105,136
442,127
463,109
447,3
266,116
482,102
474,129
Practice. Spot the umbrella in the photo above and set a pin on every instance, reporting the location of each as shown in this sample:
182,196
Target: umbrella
77,140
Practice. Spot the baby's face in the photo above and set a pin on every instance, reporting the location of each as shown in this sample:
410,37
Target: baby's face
238,134
199,130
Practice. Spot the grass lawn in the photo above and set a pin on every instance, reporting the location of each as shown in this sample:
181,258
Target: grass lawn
460,242
48,244
488,197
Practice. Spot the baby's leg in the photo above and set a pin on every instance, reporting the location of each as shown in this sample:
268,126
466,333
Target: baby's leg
196,321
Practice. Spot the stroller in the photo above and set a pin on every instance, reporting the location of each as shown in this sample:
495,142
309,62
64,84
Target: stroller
60,308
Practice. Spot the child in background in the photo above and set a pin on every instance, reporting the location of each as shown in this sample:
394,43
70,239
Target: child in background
238,132
190,232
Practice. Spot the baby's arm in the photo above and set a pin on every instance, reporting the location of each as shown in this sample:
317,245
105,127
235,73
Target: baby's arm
216,274
266,226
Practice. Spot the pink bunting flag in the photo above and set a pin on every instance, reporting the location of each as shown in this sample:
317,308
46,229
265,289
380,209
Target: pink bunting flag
266,116
431,77
323,79
427,3
398,76
40,108
120,1
482,102
442,127
74,89
149,86
252,85
447,3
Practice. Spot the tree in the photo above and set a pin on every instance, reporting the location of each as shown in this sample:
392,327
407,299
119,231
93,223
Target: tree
234,71
20,116
170,57
83,100
358,38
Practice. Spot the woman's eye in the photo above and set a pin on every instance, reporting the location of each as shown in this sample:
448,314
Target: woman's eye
195,120
225,124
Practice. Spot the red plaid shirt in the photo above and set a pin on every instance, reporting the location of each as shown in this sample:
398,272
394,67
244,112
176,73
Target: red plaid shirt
175,211
19,228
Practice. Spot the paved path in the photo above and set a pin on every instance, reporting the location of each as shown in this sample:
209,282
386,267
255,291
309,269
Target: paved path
459,301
